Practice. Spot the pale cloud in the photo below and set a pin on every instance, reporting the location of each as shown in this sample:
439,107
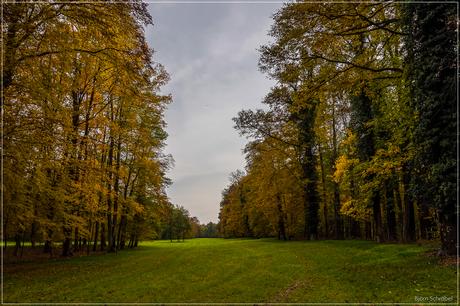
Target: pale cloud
210,52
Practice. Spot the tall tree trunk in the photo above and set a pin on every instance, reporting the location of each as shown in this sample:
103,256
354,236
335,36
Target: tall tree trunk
418,227
390,213
338,227
109,195
116,187
33,233
66,250
398,214
121,232
377,216
47,248
76,246
96,235
124,218
408,214
103,242
305,119
17,240
73,167
281,226
323,183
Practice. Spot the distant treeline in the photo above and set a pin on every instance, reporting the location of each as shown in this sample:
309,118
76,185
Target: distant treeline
357,138
181,226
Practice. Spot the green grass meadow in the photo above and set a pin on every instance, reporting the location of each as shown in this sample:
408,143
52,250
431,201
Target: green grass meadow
236,270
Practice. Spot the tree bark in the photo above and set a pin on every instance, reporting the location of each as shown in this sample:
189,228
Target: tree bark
338,227
323,182
281,226
103,243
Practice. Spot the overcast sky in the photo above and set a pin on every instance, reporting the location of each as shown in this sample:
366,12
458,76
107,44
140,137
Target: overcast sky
210,52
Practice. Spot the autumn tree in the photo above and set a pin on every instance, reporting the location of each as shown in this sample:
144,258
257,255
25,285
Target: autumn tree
84,126
354,105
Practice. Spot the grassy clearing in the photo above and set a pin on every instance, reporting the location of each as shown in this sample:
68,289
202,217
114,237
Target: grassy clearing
237,270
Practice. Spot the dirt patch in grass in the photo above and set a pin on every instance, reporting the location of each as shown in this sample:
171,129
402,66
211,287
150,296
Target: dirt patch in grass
441,259
284,294
449,261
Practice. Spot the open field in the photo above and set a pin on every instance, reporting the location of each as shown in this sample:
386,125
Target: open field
237,270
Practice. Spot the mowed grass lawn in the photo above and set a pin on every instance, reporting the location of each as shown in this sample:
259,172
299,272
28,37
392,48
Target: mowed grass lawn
237,270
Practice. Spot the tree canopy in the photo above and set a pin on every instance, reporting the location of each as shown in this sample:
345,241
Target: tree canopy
357,139
83,126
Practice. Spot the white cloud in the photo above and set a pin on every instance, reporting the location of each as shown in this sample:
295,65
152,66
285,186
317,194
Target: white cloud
210,52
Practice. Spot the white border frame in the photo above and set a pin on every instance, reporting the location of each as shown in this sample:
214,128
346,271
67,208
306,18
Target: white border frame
218,2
